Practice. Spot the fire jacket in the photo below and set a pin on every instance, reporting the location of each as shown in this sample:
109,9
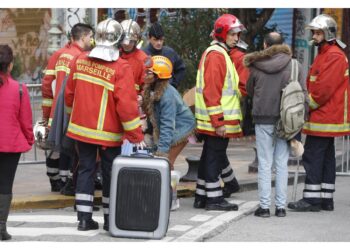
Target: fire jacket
237,56
62,69
328,86
48,80
217,95
136,59
105,102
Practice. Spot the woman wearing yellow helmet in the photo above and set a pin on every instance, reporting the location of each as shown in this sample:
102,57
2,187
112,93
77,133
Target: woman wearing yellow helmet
170,117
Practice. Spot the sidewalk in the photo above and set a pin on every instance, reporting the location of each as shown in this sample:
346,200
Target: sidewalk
32,189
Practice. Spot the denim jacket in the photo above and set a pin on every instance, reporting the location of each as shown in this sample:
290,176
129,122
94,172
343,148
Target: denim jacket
171,118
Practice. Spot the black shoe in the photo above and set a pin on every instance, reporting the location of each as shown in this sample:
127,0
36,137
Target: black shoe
199,203
106,227
85,225
303,206
327,207
280,212
56,185
68,189
228,190
262,212
231,188
4,235
224,205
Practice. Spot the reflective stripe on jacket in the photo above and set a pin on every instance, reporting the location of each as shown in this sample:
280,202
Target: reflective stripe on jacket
227,110
328,86
103,102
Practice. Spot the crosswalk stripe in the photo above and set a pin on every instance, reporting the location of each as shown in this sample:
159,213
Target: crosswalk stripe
206,228
35,231
50,218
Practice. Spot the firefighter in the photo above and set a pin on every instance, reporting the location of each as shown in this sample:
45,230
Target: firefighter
101,86
82,40
328,86
135,57
47,86
58,170
217,112
236,54
129,51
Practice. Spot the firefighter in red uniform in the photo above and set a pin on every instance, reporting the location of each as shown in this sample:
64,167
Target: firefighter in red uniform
129,51
217,113
81,35
101,86
135,57
48,83
328,86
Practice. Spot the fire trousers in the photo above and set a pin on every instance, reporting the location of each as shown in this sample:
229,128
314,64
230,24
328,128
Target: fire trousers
212,162
85,186
319,164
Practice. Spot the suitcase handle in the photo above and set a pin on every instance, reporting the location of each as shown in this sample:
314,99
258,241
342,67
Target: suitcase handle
142,155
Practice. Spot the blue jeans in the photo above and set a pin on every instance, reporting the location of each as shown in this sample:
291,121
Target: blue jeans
271,152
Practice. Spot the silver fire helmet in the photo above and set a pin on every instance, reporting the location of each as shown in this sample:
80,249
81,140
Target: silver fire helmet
328,25
108,34
132,31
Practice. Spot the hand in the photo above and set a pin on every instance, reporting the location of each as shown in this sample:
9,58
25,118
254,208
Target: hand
221,131
140,145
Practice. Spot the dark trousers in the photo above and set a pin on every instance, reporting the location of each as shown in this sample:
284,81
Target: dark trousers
85,186
213,161
8,167
319,164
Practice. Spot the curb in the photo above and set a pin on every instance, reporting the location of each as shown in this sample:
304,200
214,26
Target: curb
54,201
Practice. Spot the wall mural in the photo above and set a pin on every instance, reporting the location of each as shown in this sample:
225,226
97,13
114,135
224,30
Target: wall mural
26,31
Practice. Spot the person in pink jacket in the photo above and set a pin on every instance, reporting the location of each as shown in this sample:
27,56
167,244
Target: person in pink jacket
16,132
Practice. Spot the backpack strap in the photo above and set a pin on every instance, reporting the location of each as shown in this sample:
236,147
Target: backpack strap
294,73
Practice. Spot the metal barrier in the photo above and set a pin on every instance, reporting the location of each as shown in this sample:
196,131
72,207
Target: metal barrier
344,167
35,155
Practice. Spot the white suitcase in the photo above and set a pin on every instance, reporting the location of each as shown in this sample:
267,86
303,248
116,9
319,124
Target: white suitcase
140,197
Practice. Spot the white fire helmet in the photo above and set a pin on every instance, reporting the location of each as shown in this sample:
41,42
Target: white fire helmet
108,35
132,31
40,131
329,27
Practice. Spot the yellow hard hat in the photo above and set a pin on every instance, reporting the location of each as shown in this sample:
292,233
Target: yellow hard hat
162,67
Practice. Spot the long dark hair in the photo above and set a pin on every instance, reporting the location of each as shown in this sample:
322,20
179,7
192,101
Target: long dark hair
6,57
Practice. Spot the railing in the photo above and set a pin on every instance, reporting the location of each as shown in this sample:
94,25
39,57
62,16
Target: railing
35,155
344,169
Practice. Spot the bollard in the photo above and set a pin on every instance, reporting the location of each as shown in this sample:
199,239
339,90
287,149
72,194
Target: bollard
193,165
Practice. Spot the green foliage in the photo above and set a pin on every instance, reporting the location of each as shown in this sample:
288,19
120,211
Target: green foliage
188,35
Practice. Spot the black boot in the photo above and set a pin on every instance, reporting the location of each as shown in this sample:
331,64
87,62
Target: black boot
230,188
56,185
68,188
5,203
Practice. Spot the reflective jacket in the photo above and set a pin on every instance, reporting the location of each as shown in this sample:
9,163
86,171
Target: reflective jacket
105,102
328,86
136,59
237,56
62,69
47,82
217,94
